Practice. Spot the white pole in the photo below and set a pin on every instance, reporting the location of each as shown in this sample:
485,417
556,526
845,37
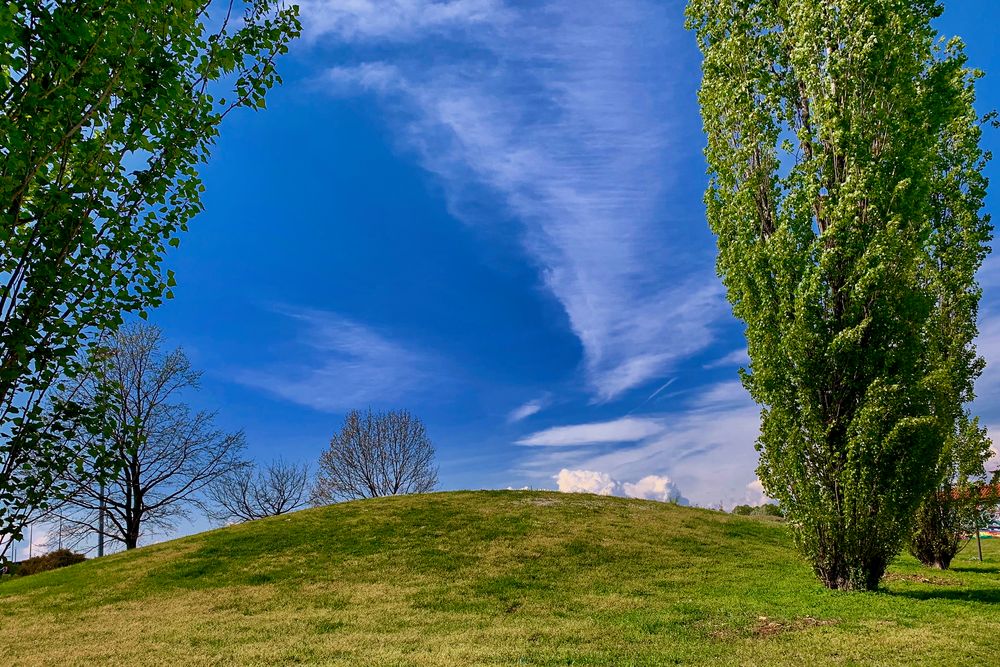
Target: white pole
979,541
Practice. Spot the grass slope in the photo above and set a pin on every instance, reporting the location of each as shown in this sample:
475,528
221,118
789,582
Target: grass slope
493,578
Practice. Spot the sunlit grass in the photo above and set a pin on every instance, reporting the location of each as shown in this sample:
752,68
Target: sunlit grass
494,578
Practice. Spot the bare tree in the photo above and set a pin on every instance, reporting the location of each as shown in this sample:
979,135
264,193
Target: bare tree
247,492
376,454
166,454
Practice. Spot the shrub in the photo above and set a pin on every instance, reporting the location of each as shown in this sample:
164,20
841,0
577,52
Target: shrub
770,509
961,503
50,561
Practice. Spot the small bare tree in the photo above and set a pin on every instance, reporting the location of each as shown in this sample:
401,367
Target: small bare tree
376,454
166,454
247,492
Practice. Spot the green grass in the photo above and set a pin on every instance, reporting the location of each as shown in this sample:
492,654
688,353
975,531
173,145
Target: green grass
494,578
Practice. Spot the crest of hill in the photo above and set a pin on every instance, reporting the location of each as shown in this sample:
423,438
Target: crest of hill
489,577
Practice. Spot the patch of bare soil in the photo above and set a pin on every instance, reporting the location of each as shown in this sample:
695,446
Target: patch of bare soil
540,501
768,627
921,579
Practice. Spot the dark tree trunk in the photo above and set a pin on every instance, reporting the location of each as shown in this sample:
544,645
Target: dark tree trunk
941,563
133,522
131,540
937,537
838,576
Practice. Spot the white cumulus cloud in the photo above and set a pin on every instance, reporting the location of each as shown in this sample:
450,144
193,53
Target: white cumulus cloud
654,487
756,494
650,487
586,481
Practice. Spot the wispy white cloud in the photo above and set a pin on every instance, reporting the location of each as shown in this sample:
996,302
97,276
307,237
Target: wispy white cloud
344,365
626,429
988,345
722,397
707,448
562,109
993,464
395,20
659,390
738,357
989,274
532,407
656,392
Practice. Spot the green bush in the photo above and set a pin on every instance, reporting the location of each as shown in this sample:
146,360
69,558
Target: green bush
770,509
50,561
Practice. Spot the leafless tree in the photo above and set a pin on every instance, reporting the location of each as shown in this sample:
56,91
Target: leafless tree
376,454
166,454
247,492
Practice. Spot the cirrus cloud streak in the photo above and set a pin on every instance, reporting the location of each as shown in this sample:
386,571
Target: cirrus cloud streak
562,112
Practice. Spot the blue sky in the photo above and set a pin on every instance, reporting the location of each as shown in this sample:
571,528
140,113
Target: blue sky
489,213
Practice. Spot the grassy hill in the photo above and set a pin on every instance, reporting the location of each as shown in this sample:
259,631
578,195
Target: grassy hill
493,578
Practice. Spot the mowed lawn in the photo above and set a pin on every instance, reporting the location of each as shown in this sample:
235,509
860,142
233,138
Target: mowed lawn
494,578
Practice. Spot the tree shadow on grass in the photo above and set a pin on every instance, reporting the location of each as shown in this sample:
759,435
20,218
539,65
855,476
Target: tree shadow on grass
981,595
979,569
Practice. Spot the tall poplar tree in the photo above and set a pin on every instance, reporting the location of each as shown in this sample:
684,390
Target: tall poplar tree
846,194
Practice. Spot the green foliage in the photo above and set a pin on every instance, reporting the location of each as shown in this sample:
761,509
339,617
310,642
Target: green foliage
939,530
107,108
767,509
846,190
50,561
959,506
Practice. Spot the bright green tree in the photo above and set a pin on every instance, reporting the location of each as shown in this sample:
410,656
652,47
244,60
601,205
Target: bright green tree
846,195
955,509
107,107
